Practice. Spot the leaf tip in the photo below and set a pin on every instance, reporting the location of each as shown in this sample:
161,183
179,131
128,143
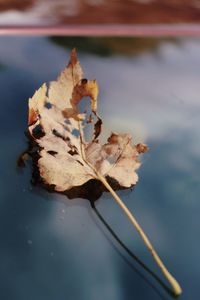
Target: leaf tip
73,57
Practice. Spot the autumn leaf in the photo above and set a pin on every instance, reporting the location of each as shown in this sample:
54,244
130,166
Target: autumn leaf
66,161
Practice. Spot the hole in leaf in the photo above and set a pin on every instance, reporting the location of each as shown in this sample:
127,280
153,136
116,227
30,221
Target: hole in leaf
67,121
48,105
75,132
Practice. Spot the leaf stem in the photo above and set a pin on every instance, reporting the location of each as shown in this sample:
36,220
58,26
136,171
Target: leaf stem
174,284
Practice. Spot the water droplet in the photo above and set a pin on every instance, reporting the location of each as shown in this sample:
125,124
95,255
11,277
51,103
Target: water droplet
52,253
30,242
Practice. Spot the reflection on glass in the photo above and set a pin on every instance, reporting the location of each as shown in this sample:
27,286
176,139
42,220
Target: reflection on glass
53,248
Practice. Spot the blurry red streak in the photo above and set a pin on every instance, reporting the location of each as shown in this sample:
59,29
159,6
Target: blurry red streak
106,30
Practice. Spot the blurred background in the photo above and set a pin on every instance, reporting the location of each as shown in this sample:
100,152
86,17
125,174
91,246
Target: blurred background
66,12
55,248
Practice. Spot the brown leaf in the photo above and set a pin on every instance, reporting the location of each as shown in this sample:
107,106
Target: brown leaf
65,159
66,162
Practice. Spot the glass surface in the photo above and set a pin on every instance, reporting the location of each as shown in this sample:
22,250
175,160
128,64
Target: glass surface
55,248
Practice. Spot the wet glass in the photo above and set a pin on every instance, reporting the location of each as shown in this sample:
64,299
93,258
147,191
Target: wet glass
56,248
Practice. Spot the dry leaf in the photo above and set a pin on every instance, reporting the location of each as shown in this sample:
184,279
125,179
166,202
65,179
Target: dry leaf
65,159
66,162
